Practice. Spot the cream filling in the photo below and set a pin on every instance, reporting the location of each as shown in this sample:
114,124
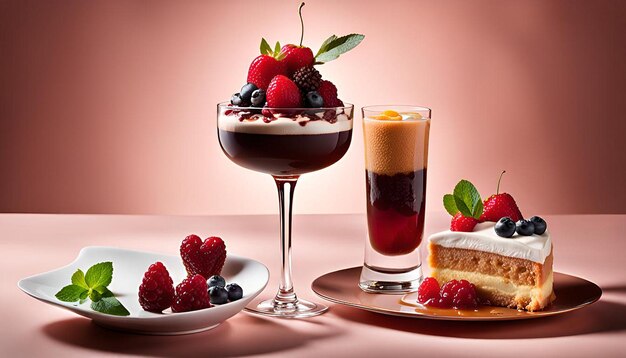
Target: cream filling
499,284
285,125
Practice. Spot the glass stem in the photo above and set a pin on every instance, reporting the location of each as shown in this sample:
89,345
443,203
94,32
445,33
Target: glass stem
286,298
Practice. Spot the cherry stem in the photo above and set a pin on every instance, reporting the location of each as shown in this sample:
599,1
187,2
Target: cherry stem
498,188
301,23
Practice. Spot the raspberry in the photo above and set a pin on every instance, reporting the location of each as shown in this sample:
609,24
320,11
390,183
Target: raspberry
205,258
459,294
462,223
428,290
191,294
156,291
328,91
307,78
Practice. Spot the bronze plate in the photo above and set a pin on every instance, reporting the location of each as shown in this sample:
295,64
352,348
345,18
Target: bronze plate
341,287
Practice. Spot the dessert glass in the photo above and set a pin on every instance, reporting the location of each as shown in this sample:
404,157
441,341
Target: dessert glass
285,143
396,158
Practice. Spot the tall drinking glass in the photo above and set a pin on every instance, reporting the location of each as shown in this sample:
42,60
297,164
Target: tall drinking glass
285,143
396,160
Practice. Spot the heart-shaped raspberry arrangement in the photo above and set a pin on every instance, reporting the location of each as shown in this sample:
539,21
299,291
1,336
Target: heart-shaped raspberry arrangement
204,258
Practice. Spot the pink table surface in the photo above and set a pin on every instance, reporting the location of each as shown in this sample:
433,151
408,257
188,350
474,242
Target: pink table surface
592,247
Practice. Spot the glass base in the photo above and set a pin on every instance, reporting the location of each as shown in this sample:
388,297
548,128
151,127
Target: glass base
374,281
272,308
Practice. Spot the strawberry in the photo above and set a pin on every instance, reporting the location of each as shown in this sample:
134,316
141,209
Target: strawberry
297,57
263,69
283,93
205,258
328,91
462,223
500,205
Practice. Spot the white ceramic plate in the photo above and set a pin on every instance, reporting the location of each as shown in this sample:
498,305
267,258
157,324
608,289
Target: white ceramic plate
128,269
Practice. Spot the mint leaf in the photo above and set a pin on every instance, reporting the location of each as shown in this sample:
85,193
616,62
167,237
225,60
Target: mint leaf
265,48
466,193
338,47
479,210
78,279
110,305
449,204
70,293
99,274
94,295
325,45
460,204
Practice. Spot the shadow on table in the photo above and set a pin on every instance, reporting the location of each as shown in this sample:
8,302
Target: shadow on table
241,336
602,316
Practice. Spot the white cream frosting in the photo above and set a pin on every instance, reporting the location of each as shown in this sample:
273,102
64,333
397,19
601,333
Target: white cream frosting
284,125
484,238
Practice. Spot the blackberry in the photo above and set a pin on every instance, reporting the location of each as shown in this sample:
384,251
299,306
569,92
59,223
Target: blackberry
307,78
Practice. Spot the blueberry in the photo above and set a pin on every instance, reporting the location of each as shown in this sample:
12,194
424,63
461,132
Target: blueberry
258,98
236,99
540,225
246,92
505,227
235,291
218,295
216,280
314,99
524,227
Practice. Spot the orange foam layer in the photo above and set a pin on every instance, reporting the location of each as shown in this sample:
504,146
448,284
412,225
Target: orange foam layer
395,146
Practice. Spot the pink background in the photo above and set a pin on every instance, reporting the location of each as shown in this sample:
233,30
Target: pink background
109,106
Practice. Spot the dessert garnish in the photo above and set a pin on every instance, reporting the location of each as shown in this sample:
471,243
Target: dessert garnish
93,285
505,227
465,206
457,294
191,294
205,258
220,292
524,227
156,291
286,77
540,225
500,205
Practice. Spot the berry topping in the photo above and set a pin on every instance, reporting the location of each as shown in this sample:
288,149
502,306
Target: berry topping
204,258
328,91
216,280
246,93
156,291
297,57
236,99
283,93
464,205
258,98
263,69
307,78
524,227
453,294
191,295
540,225
462,223
505,227
499,205
428,290
235,292
314,100
218,295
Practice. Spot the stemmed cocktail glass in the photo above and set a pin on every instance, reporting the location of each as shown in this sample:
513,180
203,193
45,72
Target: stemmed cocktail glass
285,143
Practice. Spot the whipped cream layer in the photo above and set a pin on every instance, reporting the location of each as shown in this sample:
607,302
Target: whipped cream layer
484,238
284,125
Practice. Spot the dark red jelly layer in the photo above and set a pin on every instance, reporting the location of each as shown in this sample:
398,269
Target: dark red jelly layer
395,211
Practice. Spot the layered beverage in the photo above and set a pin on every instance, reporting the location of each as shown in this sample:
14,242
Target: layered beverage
285,144
396,158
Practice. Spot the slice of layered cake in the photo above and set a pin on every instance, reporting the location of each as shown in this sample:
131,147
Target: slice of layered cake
513,272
